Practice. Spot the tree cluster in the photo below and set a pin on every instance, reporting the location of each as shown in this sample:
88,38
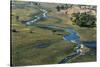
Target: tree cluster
84,19
62,7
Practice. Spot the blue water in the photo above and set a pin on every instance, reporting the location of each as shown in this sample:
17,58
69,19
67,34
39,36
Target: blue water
90,44
42,45
73,36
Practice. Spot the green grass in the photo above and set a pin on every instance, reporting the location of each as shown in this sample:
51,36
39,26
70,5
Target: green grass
24,43
86,34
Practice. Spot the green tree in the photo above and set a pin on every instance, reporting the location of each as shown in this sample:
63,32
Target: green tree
58,8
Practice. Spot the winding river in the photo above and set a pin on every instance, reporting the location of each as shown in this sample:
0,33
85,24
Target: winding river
72,37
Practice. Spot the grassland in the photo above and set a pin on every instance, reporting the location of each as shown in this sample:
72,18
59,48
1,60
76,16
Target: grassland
26,43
